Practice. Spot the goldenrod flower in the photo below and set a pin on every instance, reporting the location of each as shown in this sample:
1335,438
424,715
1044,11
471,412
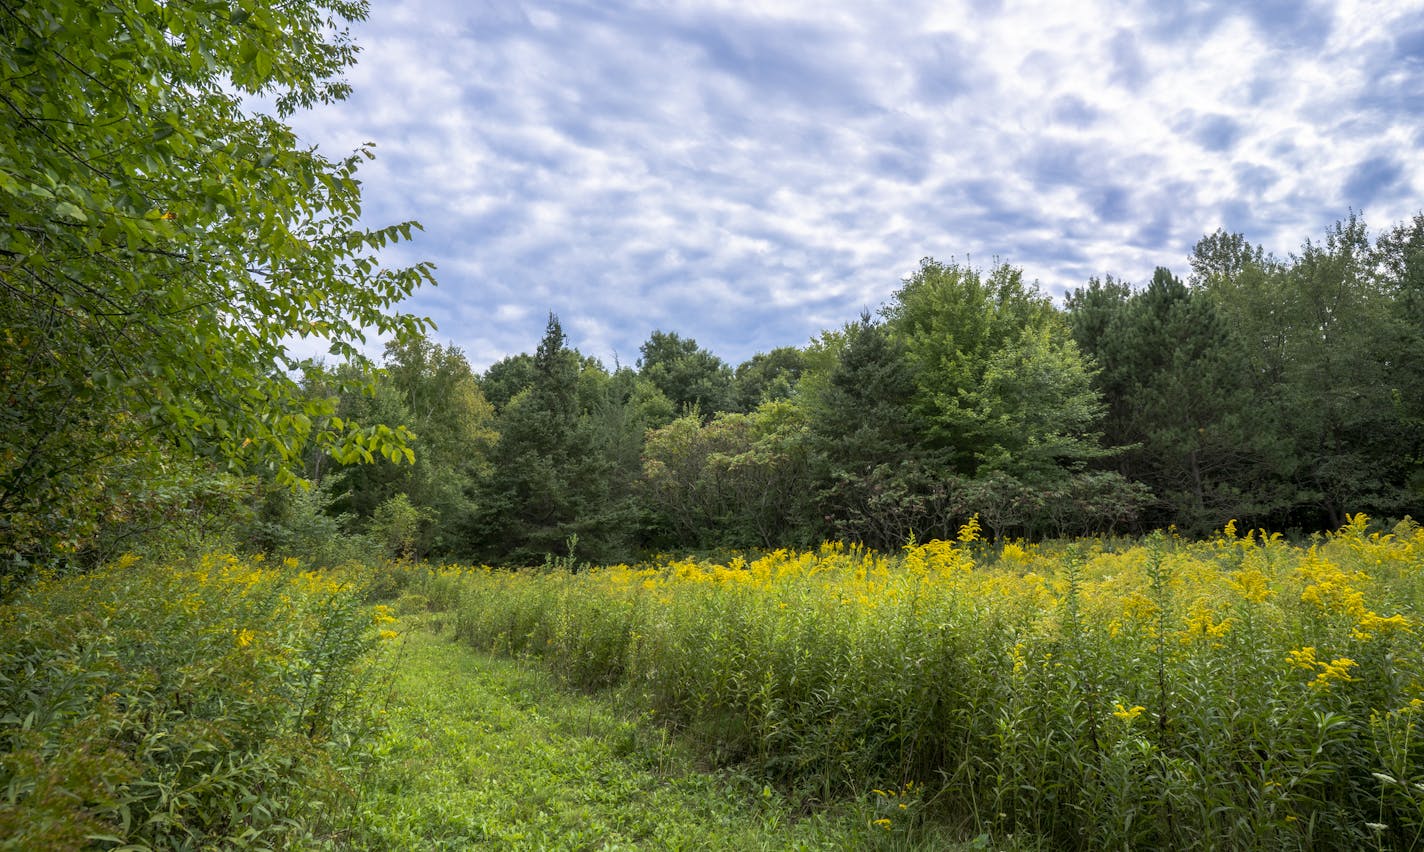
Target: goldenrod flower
1203,624
1335,670
1303,658
1128,714
1373,624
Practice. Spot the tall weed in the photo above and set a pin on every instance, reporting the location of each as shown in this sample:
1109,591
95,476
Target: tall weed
1240,692
207,705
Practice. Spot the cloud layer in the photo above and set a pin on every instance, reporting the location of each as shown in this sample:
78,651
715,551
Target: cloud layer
749,177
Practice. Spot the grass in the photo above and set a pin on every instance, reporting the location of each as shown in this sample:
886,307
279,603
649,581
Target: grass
487,751
1241,693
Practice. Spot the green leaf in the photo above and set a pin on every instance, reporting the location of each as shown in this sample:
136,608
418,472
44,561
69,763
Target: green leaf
70,211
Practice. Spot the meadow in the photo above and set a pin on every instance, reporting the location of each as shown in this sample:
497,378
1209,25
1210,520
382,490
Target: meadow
1241,692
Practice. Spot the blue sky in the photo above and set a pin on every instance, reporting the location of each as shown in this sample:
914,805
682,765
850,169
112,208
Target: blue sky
749,173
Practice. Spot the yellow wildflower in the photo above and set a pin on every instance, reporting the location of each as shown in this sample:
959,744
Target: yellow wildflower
1373,624
1335,670
1303,658
1203,624
1128,714
1251,583
883,822
244,637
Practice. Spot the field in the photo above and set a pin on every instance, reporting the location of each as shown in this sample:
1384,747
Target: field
1241,692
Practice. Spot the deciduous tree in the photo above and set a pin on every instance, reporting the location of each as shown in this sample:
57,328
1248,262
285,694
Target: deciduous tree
161,244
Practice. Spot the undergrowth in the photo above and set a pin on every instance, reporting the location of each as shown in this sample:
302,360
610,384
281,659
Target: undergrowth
1237,693
217,704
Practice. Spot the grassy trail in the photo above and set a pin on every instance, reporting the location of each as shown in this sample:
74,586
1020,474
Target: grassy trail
486,752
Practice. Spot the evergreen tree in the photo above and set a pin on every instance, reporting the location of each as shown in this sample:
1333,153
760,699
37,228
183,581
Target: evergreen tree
1178,400
879,480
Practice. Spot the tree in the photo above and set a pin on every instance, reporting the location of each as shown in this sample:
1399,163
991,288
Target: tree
159,245
767,376
431,388
693,378
1398,268
680,484
999,379
556,471
740,480
1326,342
1178,400
505,378
1339,402
878,480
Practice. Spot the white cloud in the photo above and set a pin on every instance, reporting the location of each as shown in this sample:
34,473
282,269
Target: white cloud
747,175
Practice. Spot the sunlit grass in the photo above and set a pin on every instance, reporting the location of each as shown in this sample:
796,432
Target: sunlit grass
482,751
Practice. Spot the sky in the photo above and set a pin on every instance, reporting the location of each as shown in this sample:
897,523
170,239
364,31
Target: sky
748,174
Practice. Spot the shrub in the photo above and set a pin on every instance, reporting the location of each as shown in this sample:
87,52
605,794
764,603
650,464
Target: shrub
182,706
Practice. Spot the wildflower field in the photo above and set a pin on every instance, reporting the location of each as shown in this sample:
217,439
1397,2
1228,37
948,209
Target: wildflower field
215,705
1243,692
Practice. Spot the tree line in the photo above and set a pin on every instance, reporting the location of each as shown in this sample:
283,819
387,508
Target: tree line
1279,392
161,245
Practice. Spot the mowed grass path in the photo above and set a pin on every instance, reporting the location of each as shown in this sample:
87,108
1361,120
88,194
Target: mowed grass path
487,752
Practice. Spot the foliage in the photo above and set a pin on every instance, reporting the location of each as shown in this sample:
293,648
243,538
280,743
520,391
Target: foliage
431,389
695,380
999,380
1398,263
1177,400
878,476
767,377
302,524
505,378
559,470
161,245
180,706
737,479
1236,693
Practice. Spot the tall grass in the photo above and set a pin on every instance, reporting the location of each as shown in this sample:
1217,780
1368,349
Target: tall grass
1241,692
204,705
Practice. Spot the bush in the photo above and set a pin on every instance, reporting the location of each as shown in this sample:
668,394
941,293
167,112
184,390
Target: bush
206,705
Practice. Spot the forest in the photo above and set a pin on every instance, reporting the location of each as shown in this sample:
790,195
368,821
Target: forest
1277,392
977,569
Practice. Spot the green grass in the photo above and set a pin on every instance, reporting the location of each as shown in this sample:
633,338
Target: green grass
488,751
